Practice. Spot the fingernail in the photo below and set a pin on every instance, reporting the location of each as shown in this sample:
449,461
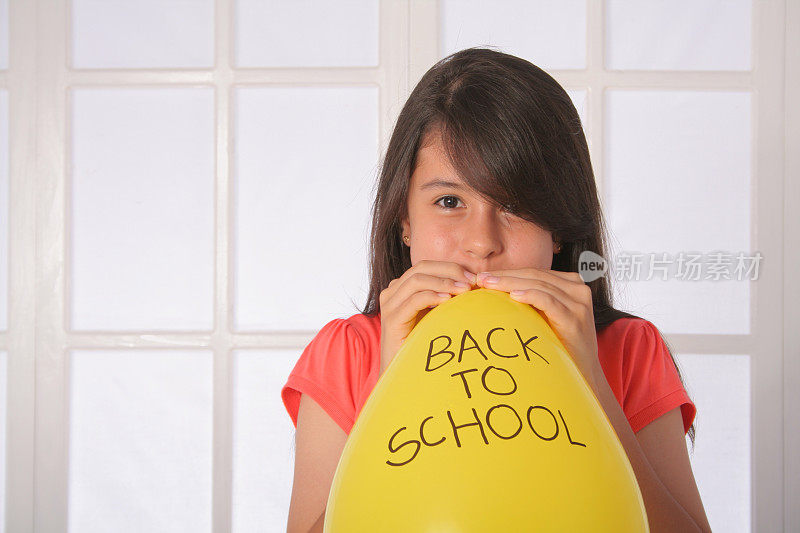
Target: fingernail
460,284
491,279
470,276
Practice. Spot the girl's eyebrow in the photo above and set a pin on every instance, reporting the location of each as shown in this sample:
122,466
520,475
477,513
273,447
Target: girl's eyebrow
439,183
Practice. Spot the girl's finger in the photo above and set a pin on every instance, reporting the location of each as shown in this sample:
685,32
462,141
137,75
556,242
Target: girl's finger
440,269
538,272
511,283
576,307
420,281
411,306
559,315
569,282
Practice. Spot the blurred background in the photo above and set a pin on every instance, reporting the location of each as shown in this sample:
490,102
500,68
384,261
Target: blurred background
184,202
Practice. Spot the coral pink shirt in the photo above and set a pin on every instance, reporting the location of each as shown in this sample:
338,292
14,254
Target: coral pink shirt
341,365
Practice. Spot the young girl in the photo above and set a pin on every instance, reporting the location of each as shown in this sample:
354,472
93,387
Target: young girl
487,182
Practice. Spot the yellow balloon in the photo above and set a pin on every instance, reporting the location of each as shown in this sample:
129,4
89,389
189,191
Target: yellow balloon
482,422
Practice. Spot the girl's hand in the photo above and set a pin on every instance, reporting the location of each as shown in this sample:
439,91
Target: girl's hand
408,298
566,301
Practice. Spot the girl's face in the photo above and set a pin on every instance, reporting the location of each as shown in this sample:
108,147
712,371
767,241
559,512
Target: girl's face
451,223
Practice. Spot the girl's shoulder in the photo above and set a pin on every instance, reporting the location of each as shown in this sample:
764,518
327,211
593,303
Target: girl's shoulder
642,372
367,327
365,322
631,341
625,327
360,333
334,367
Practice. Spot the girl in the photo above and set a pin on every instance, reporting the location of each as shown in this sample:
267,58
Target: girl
487,182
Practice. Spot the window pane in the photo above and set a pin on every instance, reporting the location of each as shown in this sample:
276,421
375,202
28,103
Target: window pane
142,209
304,33
140,435
677,180
142,34
551,34
719,386
263,440
678,35
305,164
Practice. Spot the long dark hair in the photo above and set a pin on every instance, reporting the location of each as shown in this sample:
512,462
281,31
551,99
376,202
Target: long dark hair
514,136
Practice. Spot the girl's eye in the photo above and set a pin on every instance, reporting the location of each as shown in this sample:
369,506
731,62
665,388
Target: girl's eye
450,205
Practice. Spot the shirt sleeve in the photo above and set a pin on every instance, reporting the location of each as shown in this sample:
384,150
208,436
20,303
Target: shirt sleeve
329,370
653,386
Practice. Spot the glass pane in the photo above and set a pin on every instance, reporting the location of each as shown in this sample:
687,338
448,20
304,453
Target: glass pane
140,435
678,35
551,34
305,164
263,441
142,209
4,213
142,34
303,33
3,34
677,181
719,386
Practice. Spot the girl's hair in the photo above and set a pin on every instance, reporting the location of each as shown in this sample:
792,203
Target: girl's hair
514,136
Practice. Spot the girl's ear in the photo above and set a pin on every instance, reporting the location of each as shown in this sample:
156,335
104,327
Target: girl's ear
405,227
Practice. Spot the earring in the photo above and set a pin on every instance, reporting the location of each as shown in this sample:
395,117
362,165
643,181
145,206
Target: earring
558,248
405,239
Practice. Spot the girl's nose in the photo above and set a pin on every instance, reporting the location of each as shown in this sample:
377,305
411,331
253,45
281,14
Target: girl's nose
482,235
